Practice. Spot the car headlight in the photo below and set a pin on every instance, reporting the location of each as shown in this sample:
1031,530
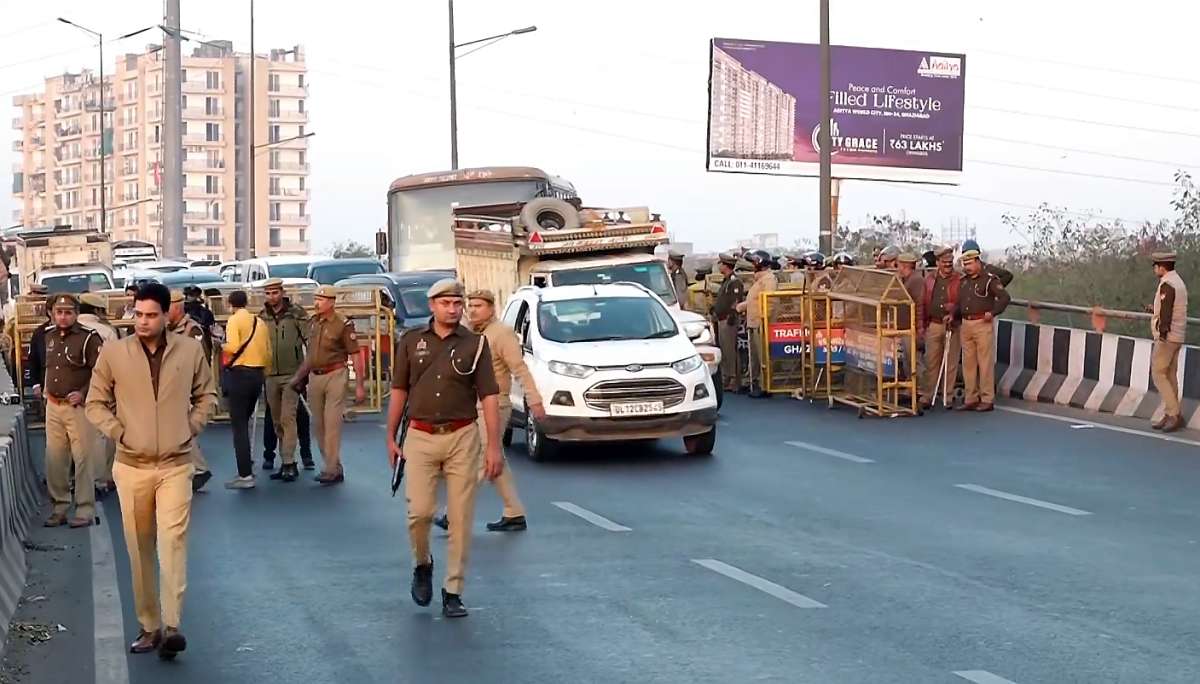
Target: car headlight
571,370
688,365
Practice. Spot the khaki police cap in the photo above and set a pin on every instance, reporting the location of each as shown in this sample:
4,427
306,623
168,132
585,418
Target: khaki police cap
176,296
37,288
674,256
326,292
446,287
65,300
727,259
273,284
1163,257
907,258
92,299
970,255
943,251
485,295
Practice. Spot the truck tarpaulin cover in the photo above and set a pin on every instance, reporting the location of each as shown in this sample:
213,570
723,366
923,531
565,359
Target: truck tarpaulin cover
897,114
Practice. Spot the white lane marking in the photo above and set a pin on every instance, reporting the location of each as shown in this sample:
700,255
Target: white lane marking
765,586
593,518
983,677
108,616
829,452
1021,499
1102,426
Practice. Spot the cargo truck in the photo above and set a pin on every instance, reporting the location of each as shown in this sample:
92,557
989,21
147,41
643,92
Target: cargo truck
64,259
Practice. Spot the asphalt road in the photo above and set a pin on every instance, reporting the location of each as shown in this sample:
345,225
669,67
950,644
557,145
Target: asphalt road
950,548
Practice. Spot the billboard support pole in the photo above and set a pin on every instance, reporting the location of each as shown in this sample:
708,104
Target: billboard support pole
835,191
826,192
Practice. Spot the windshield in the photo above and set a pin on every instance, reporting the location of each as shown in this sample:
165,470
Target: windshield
328,274
298,270
77,282
415,301
419,219
604,318
653,275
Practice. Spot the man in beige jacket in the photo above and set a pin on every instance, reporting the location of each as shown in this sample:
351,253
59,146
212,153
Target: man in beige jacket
152,393
1169,329
507,360
764,281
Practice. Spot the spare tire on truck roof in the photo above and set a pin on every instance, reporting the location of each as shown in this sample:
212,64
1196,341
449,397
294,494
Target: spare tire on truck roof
549,213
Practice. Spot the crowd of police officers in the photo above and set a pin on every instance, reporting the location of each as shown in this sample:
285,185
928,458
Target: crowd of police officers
955,307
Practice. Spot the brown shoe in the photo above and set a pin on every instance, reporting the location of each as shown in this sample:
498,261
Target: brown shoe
984,407
56,520
1158,425
78,522
1172,424
146,641
172,644
967,407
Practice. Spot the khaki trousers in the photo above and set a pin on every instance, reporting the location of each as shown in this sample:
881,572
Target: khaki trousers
1164,370
731,375
103,453
935,347
756,360
327,400
979,361
70,438
454,456
156,507
199,463
283,399
506,485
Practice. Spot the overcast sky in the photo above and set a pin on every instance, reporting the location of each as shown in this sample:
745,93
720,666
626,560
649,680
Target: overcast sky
613,96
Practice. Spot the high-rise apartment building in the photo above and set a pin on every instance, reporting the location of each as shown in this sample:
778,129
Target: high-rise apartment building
750,117
57,177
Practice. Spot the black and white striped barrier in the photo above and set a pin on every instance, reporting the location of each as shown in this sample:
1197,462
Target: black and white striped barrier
1088,370
21,496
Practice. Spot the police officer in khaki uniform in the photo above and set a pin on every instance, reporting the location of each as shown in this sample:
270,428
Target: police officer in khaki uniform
981,298
331,339
1168,327
180,323
939,311
508,360
288,326
442,373
764,281
71,352
732,292
679,279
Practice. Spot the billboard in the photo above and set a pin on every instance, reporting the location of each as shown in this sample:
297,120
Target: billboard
897,114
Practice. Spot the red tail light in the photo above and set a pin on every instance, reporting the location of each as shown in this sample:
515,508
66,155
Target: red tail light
535,239
658,229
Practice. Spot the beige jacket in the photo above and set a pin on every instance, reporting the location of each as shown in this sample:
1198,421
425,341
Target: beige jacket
1171,290
149,431
767,282
508,360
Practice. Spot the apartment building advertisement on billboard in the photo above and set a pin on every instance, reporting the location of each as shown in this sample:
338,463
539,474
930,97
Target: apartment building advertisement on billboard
897,114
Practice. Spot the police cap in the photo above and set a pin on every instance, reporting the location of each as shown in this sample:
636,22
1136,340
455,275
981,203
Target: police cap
728,259
890,252
907,258
326,292
943,252
273,284
37,288
675,256
1163,257
446,287
92,299
486,295
176,296
970,255
65,300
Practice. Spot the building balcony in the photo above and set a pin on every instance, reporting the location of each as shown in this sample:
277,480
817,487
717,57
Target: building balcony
203,139
202,193
290,247
18,123
203,113
67,133
127,197
290,91
203,243
290,166
293,144
129,171
289,194
204,165
154,116
94,105
289,117
194,87
201,217
292,220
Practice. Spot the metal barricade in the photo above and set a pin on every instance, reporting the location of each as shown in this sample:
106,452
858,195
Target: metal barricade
879,375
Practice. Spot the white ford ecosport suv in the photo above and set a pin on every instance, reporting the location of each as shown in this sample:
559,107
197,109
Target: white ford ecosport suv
611,364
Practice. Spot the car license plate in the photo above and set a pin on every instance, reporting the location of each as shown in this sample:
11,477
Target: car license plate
637,408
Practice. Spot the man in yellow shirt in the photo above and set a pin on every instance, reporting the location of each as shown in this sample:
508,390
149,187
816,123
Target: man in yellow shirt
245,355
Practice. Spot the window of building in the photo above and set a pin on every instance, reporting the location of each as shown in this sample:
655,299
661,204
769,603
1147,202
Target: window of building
213,237
183,76
274,160
213,79
273,108
213,157
212,132
302,232
210,184
214,211
273,133
212,106
276,212
302,179
303,159
300,106
300,80
301,131
131,89
273,83
276,240
303,207
273,184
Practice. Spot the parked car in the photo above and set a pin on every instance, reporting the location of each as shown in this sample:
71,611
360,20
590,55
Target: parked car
612,364
406,290
329,271
254,270
177,279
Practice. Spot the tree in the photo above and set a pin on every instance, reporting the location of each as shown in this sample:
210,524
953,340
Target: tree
880,232
348,249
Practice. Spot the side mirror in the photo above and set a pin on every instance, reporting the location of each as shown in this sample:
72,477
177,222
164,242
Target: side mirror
381,243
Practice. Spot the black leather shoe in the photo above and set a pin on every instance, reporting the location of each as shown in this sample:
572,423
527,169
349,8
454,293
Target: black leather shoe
172,644
308,462
287,473
452,605
514,524
268,464
442,521
422,584
200,479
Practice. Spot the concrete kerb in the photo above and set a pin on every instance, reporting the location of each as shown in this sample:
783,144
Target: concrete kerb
20,500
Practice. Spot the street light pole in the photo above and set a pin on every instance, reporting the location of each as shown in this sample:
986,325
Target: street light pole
825,138
454,84
103,155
